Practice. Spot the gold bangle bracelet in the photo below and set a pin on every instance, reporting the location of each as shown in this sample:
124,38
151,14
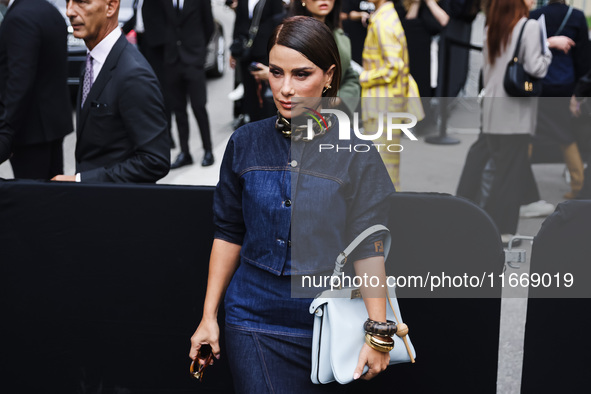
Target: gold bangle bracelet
386,341
381,345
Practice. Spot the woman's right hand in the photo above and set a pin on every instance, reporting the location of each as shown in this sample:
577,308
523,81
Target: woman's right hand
208,332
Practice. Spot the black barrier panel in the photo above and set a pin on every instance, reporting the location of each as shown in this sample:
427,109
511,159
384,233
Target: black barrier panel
443,246
561,254
456,340
102,286
557,345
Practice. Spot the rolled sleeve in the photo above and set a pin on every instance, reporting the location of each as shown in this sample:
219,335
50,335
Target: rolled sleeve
369,203
227,203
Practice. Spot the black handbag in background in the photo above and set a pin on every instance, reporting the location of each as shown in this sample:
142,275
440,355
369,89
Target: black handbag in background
517,82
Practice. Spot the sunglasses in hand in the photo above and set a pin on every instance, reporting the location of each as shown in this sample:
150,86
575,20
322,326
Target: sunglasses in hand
206,355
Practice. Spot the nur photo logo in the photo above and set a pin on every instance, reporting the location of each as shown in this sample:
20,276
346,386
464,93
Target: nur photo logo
390,124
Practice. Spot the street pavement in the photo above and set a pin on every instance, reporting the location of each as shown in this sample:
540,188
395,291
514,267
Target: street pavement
424,168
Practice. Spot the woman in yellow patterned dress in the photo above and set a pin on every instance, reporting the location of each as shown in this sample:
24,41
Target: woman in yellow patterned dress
386,83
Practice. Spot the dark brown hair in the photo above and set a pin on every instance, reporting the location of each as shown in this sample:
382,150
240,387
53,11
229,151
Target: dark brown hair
501,18
333,19
314,40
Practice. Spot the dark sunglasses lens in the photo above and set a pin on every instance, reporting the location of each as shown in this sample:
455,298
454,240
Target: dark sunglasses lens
204,352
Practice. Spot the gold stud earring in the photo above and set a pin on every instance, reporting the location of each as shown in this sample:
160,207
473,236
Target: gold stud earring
303,4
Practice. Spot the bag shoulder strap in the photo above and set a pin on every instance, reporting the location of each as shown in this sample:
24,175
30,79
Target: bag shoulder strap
256,20
516,53
568,12
402,330
342,257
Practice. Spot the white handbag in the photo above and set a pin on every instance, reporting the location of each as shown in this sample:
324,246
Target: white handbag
339,316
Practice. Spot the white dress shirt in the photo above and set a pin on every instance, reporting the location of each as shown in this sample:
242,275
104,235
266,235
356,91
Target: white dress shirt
100,52
180,2
251,5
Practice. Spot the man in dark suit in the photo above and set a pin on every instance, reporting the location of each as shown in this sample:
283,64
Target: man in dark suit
187,26
150,40
272,13
121,126
33,88
154,34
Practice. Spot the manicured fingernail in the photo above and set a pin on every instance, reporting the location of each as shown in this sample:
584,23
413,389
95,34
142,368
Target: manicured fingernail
356,376
217,356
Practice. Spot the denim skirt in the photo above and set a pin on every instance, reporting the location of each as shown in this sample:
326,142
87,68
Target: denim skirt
264,362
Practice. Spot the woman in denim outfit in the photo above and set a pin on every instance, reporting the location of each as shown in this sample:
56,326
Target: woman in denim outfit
278,190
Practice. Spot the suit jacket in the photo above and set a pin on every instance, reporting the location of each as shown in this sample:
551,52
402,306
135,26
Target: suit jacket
121,129
33,73
186,33
154,17
272,14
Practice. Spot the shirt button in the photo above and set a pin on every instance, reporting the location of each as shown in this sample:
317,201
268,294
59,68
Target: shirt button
294,163
288,203
178,43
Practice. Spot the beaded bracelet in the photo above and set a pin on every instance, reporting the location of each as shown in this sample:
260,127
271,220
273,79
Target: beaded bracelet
386,329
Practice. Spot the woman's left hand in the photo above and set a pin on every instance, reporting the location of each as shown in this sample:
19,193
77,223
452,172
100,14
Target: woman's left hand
262,74
376,361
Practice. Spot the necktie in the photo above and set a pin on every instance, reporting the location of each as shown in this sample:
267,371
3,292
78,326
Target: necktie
88,77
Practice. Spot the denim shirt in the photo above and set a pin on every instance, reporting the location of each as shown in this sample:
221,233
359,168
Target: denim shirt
293,210
269,186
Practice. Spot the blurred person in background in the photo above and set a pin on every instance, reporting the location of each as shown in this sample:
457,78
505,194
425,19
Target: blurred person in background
421,20
256,102
355,15
568,65
386,81
329,12
508,122
459,27
149,23
580,107
188,28
33,88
